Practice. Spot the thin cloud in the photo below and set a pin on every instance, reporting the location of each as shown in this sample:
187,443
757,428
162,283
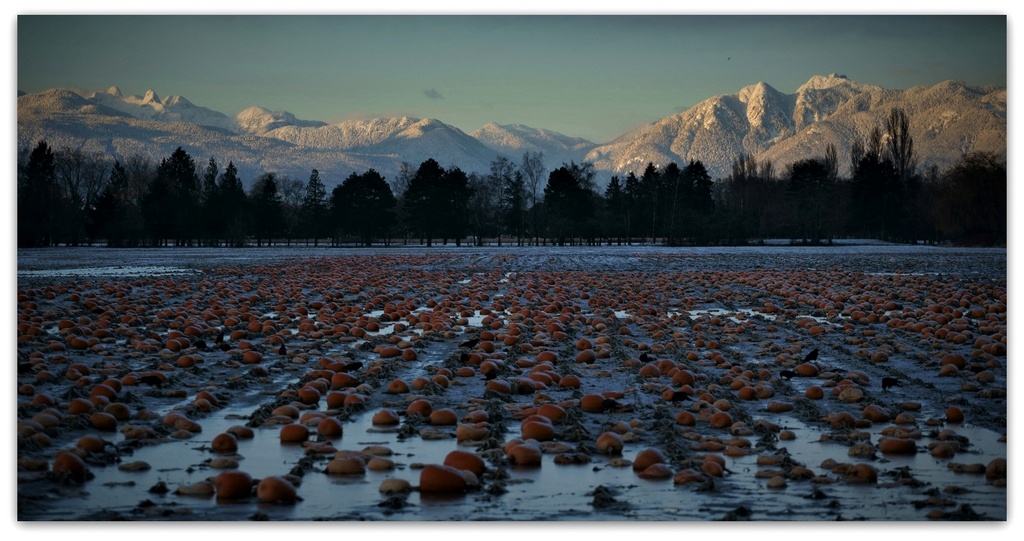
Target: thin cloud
433,94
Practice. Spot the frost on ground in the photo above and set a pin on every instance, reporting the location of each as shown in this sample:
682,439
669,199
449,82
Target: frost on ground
696,357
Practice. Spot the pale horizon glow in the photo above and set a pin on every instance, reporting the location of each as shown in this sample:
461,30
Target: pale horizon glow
588,76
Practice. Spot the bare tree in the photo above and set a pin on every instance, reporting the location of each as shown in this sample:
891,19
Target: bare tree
140,170
533,171
899,144
82,174
832,162
399,187
292,191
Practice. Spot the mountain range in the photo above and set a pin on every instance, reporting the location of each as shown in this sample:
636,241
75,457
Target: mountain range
946,121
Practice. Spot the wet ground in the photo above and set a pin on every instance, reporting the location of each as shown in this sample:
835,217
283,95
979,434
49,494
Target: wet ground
722,327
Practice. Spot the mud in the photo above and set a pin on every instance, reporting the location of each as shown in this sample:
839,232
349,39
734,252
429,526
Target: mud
732,318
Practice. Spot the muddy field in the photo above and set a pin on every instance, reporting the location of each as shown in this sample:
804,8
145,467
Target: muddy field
584,384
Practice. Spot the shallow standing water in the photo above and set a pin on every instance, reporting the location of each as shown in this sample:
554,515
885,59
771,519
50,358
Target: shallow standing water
553,491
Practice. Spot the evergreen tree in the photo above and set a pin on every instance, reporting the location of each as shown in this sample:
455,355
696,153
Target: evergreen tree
159,211
807,190
38,198
233,223
616,210
455,194
634,209
364,206
675,193
424,200
266,210
514,204
569,198
702,204
649,201
207,204
172,202
314,216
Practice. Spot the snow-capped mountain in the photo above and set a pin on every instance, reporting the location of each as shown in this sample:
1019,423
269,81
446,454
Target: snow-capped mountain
515,139
259,121
256,140
946,120
170,109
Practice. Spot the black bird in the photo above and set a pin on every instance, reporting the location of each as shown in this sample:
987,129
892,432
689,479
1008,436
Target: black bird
490,374
220,337
788,374
889,383
464,357
153,380
470,344
282,350
813,355
200,343
349,367
610,404
645,358
678,396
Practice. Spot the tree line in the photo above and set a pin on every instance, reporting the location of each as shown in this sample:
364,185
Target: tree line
71,197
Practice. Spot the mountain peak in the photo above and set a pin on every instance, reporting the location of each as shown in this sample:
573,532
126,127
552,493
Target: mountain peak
150,97
820,82
115,91
758,90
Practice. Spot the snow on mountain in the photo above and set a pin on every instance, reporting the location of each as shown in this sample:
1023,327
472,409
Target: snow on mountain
946,120
260,121
394,140
151,107
257,141
61,101
513,140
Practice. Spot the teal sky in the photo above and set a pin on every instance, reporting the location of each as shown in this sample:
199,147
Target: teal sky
585,76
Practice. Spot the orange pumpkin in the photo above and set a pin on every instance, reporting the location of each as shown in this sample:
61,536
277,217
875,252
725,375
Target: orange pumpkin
276,489
233,485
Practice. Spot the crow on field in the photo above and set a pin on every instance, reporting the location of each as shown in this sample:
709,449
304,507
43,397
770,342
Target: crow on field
678,396
282,350
788,374
153,380
220,337
889,383
470,344
645,358
353,366
490,374
813,355
610,405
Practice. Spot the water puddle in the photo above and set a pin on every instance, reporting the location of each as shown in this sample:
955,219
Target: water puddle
108,272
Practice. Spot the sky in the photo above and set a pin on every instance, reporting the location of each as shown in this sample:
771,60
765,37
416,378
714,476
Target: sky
589,76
